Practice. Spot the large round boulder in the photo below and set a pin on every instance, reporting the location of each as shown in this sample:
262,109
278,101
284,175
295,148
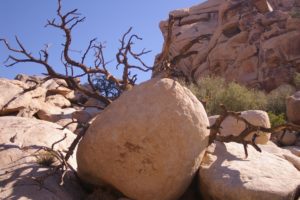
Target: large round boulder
148,144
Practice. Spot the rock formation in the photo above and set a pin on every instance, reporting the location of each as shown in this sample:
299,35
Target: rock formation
231,126
21,160
148,144
225,174
28,96
253,42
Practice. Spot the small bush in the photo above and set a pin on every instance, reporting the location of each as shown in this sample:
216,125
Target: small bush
276,99
215,91
45,159
276,119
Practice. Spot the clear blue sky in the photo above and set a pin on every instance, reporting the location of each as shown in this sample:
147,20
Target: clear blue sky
106,20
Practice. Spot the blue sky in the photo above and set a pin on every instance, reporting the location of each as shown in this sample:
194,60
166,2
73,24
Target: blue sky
106,20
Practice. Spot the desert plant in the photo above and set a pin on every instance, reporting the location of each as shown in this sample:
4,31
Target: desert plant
276,119
45,159
215,91
276,99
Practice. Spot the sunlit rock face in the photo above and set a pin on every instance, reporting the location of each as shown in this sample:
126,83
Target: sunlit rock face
256,43
148,144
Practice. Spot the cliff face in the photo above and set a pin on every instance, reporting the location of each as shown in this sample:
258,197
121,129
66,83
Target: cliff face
253,42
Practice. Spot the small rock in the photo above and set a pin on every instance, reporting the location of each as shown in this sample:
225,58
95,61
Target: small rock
58,100
288,139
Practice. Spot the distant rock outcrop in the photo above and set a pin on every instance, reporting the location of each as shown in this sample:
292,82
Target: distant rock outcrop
148,143
253,42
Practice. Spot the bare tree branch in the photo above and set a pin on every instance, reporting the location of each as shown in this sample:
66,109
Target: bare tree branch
215,130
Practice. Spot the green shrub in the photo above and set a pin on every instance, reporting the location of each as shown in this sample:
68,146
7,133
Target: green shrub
215,91
276,99
276,119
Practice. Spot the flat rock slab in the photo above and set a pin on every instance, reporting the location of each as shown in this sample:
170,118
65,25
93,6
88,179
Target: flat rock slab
20,168
226,174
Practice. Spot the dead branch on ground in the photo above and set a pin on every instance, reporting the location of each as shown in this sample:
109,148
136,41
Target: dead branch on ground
215,130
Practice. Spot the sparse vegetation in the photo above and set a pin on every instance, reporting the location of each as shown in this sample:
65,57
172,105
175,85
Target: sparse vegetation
276,99
215,91
45,159
276,119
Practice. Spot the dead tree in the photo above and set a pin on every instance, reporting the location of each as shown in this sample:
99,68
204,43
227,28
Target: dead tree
76,69
66,22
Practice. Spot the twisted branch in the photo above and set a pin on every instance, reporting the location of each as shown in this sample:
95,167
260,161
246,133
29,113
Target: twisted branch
215,130
66,22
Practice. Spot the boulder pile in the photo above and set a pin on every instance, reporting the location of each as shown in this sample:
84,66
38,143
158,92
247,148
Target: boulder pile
53,101
151,143
255,42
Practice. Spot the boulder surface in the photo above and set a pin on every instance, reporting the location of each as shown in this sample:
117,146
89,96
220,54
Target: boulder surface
255,42
226,174
231,126
23,163
148,143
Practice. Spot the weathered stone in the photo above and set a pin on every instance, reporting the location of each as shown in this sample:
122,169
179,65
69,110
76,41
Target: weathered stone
226,174
21,162
282,153
293,149
8,92
58,115
288,139
91,108
58,100
30,81
292,108
27,112
255,43
148,144
231,126
53,113
16,98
